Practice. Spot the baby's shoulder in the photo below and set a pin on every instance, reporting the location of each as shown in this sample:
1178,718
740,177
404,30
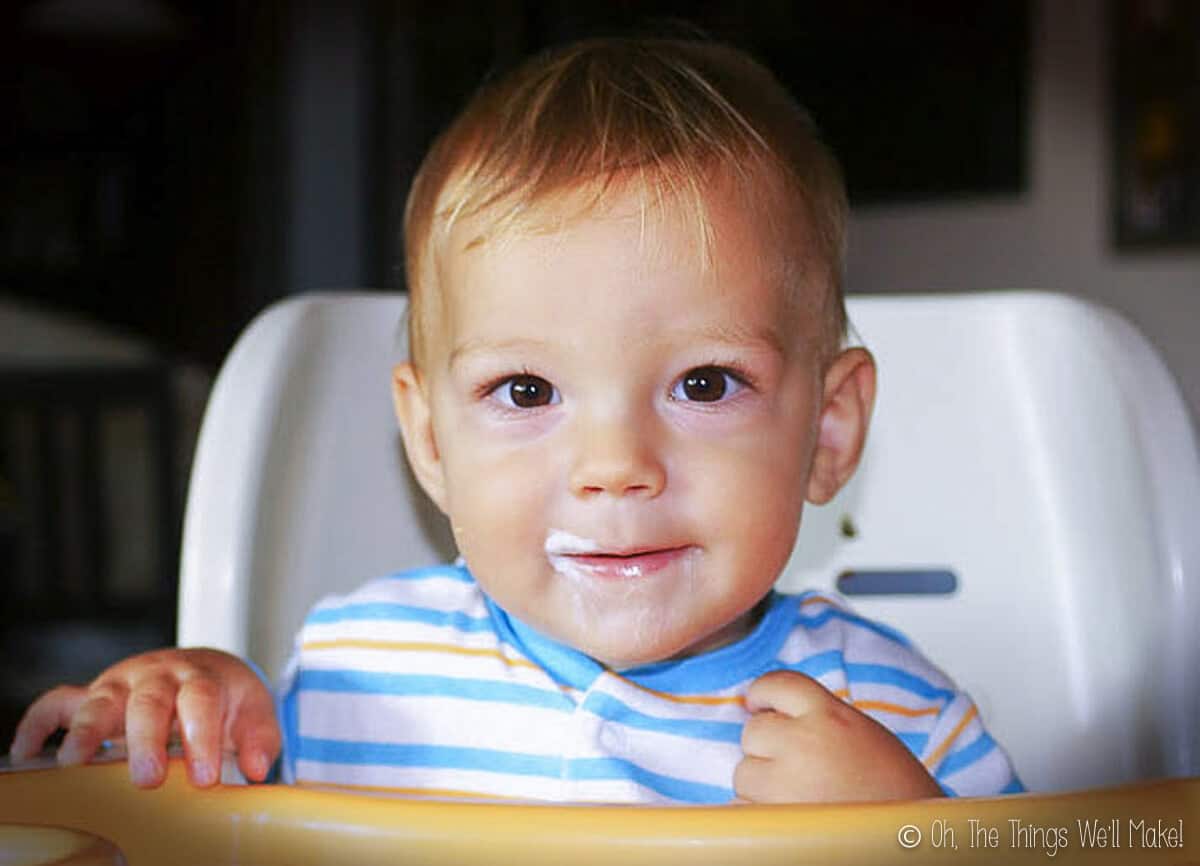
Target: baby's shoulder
827,633
436,599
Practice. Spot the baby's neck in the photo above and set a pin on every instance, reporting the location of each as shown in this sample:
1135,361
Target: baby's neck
731,633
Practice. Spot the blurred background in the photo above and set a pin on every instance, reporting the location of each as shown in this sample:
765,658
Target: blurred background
168,168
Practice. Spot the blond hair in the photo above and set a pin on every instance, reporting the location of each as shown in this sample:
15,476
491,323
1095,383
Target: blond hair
668,113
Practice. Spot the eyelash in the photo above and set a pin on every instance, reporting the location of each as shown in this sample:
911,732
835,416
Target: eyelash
490,386
732,369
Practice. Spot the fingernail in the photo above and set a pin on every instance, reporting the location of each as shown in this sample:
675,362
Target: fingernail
258,766
202,773
144,770
262,765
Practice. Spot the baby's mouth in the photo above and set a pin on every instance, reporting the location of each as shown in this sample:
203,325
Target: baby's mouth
619,565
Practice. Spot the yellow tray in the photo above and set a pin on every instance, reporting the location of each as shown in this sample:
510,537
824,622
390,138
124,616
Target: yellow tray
1151,823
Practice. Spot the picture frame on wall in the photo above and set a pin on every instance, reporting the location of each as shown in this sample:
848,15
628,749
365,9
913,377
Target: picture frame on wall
1156,51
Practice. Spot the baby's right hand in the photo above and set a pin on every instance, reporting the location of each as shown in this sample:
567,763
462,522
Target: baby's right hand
219,701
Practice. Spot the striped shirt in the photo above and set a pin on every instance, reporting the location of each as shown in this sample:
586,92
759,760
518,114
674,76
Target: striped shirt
419,683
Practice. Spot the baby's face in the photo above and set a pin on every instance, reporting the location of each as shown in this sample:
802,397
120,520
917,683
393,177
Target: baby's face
622,438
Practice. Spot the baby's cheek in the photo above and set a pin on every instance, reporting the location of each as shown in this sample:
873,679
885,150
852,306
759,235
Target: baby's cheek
763,510
499,513
766,480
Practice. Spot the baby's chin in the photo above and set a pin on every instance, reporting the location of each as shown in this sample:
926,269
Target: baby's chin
646,649
618,648
627,658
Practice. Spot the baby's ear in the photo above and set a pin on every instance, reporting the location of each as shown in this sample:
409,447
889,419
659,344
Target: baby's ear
848,396
416,428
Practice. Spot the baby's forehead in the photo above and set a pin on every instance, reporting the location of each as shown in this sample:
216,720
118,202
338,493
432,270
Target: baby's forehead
708,232
708,222
721,248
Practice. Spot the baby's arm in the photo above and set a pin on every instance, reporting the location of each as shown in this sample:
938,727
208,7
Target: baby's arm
218,699
802,743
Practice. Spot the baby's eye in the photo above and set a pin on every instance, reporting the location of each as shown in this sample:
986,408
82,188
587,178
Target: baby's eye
706,385
525,392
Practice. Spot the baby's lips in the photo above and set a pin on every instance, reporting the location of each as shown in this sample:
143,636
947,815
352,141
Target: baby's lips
623,566
562,543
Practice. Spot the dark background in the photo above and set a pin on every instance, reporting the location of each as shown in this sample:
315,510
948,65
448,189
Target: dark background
146,176
170,173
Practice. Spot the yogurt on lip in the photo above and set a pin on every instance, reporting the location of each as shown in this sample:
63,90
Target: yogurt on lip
560,543
576,557
562,547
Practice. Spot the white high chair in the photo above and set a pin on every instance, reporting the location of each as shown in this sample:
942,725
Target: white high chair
1031,467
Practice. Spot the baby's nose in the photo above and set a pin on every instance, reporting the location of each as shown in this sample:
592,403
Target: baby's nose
618,459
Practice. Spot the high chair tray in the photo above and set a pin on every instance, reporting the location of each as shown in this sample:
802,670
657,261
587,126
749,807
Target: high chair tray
1151,823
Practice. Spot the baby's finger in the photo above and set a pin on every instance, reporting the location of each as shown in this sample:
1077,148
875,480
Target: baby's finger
765,734
98,718
148,716
787,692
47,714
256,737
752,780
201,705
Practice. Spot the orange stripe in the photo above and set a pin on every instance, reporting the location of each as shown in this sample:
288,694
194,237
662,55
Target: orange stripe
885,707
936,756
415,646
818,599
706,700
702,700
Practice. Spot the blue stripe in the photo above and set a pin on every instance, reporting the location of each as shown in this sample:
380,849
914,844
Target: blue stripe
564,663
890,676
669,786
915,743
818,620
966,756
818,665
1013,787
513,763
729,665
381,610
427,755
608,707
426,685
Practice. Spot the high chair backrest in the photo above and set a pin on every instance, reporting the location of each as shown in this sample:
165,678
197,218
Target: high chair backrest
1025,511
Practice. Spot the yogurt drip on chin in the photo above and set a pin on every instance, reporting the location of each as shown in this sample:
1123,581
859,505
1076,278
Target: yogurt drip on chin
641,611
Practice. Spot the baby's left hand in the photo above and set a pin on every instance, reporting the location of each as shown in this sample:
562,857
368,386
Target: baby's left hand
803,744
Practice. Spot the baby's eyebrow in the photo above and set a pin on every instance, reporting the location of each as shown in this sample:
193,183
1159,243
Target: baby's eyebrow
482,346
739,336
735,335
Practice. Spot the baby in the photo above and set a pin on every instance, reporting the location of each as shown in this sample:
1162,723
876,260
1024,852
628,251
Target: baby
627,377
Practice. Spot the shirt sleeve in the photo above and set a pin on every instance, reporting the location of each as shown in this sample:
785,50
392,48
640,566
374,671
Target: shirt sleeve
889,679
962,756
286,712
